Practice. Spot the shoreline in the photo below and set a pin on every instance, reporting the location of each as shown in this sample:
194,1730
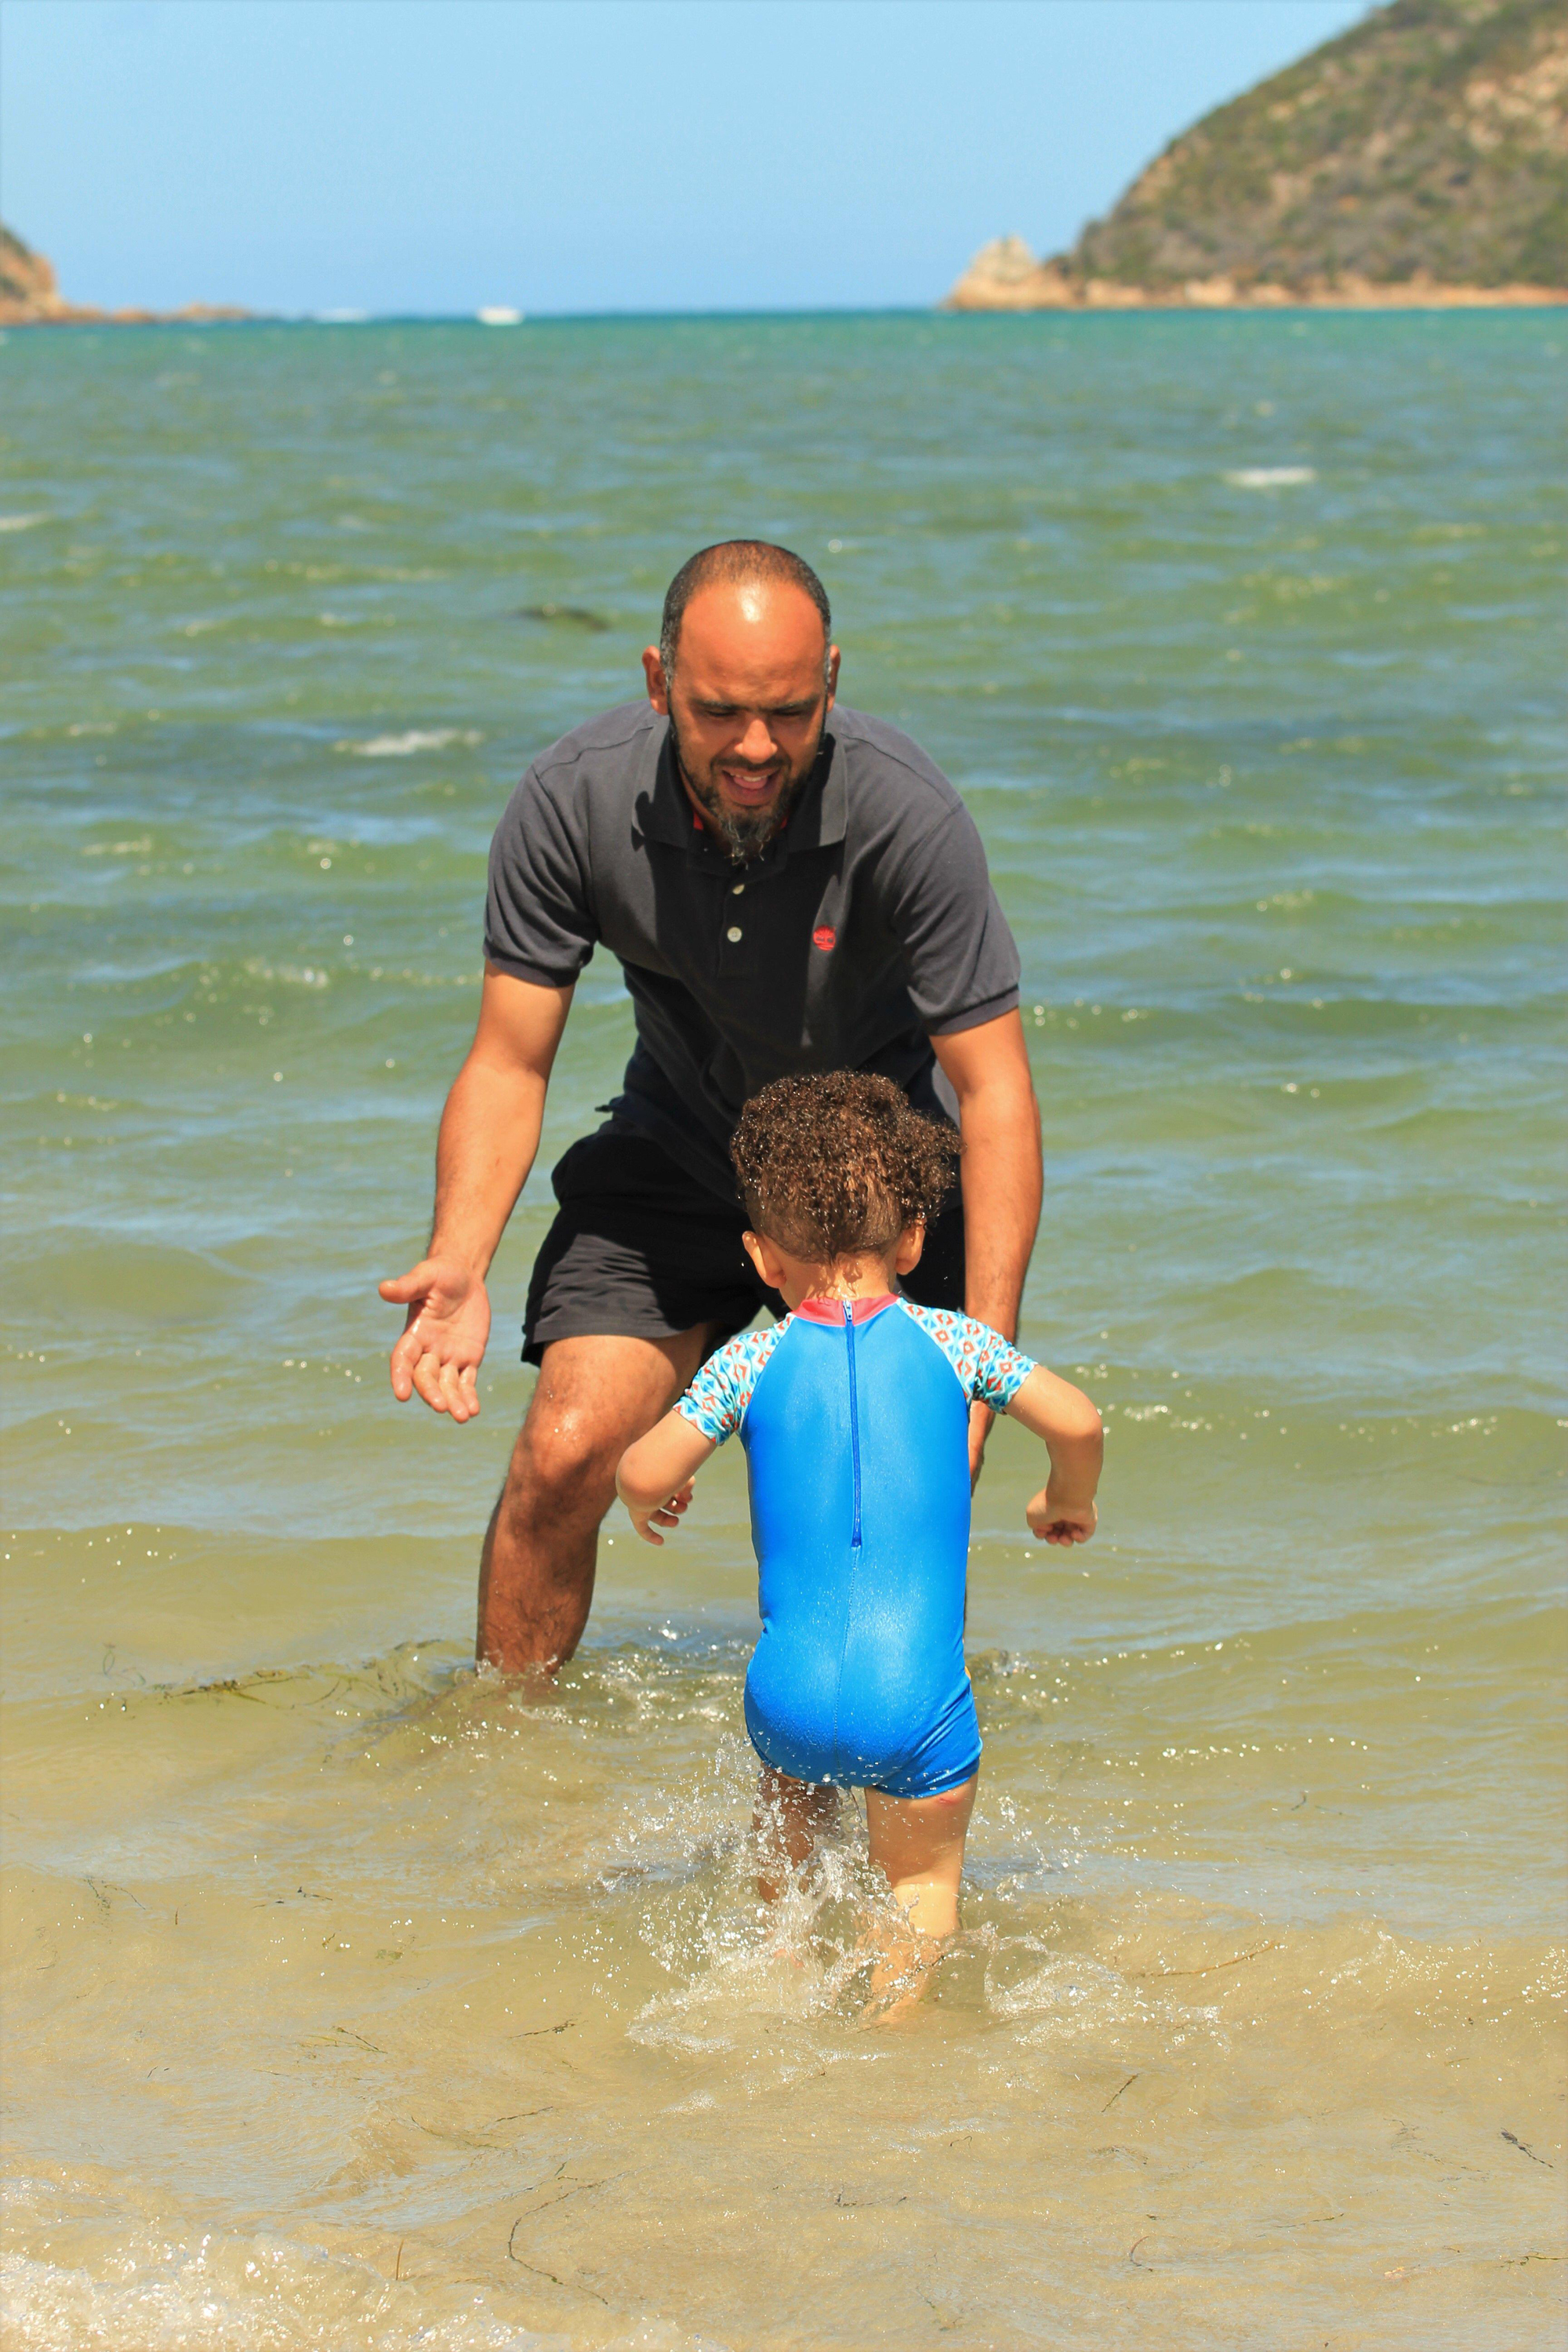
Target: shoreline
75,314
1049,292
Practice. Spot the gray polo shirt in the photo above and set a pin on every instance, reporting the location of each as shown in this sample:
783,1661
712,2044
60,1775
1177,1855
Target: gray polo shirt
866,927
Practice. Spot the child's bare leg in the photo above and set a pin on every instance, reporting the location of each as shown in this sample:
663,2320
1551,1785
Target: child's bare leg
790,1816
918,1844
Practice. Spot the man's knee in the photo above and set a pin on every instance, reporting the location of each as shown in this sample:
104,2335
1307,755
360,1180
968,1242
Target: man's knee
593,1398
564,1461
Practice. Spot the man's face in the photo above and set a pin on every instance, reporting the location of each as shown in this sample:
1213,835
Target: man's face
747,705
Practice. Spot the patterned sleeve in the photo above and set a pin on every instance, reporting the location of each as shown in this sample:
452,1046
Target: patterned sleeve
991,1368
1000,1368
716,1402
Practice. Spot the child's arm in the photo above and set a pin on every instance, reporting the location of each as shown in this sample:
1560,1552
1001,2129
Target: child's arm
654,1480
1063,1511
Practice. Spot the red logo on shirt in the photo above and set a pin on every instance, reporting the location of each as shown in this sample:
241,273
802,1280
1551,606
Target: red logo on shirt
825,936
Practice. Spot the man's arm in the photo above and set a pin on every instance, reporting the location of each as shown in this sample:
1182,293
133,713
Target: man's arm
999,1119
489,1134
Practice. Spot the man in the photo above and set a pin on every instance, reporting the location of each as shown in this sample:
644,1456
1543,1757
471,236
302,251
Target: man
787,888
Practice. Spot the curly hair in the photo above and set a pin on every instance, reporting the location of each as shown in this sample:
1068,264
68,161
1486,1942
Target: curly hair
834,1165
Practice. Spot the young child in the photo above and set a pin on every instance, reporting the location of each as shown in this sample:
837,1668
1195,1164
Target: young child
854,1413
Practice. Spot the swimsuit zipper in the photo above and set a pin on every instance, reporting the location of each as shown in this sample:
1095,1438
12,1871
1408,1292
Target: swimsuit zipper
854,1420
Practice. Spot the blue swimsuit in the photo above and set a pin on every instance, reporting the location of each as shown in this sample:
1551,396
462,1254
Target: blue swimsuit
855,1418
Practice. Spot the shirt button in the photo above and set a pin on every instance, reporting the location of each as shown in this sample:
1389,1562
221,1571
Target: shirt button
736,889
734,932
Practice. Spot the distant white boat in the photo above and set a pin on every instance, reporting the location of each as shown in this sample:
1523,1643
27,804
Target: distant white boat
496,314
1270,477
340,318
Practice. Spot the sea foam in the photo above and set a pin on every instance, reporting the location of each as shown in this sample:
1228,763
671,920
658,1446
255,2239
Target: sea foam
1270,477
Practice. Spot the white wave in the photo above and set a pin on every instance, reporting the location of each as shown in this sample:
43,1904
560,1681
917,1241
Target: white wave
20,522
246,2294
141,2287
1270,477
403,747
1072,2001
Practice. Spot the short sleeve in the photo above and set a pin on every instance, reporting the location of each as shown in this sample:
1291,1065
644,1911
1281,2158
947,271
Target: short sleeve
961,960
990,1369
716,1402
539,919
1000,1368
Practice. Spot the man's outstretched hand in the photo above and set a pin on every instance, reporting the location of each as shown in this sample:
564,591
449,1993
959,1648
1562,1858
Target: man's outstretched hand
443,1341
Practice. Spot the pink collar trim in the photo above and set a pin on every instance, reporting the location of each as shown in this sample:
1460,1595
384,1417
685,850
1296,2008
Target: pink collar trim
831,1310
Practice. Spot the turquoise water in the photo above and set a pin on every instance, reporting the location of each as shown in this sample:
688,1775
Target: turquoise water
353,2000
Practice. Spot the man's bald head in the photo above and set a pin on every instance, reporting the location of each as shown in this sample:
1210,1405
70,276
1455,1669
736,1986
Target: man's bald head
738,563
745,674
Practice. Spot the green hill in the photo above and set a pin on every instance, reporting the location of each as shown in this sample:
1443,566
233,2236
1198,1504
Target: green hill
1426,148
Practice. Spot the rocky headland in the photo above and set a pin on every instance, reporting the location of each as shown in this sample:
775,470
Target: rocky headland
1420,160
30,297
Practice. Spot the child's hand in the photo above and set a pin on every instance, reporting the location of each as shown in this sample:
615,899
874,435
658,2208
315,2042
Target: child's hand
660,1515
1060,1523
653,1477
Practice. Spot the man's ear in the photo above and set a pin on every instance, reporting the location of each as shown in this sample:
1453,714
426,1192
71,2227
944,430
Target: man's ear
657,685
912,1244
832,675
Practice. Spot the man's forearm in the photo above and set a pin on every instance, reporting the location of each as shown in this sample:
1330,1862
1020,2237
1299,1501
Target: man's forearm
490,1135
999,1119
1001,1178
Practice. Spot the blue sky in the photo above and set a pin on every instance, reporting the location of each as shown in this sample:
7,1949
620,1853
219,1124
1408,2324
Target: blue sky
570,155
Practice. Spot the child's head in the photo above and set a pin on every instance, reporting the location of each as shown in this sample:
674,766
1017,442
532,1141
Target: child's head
837,1168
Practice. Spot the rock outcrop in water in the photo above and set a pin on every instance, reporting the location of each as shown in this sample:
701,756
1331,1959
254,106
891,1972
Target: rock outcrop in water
30,296
1421,158
27,288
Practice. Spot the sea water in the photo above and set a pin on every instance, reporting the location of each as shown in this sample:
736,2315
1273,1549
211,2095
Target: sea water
353,2000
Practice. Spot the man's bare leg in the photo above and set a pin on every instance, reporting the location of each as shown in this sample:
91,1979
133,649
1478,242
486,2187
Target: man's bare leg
594,1398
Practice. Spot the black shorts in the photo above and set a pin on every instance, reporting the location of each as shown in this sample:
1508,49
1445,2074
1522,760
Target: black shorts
639,1250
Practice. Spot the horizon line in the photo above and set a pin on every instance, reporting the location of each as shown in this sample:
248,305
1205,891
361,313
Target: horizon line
349,317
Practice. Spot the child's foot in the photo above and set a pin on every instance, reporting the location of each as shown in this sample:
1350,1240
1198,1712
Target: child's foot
902,1977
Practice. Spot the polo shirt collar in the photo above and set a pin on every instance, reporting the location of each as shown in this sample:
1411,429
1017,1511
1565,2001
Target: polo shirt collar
818,816
665,812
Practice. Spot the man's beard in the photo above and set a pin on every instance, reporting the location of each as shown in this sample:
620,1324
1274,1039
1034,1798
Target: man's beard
745,832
